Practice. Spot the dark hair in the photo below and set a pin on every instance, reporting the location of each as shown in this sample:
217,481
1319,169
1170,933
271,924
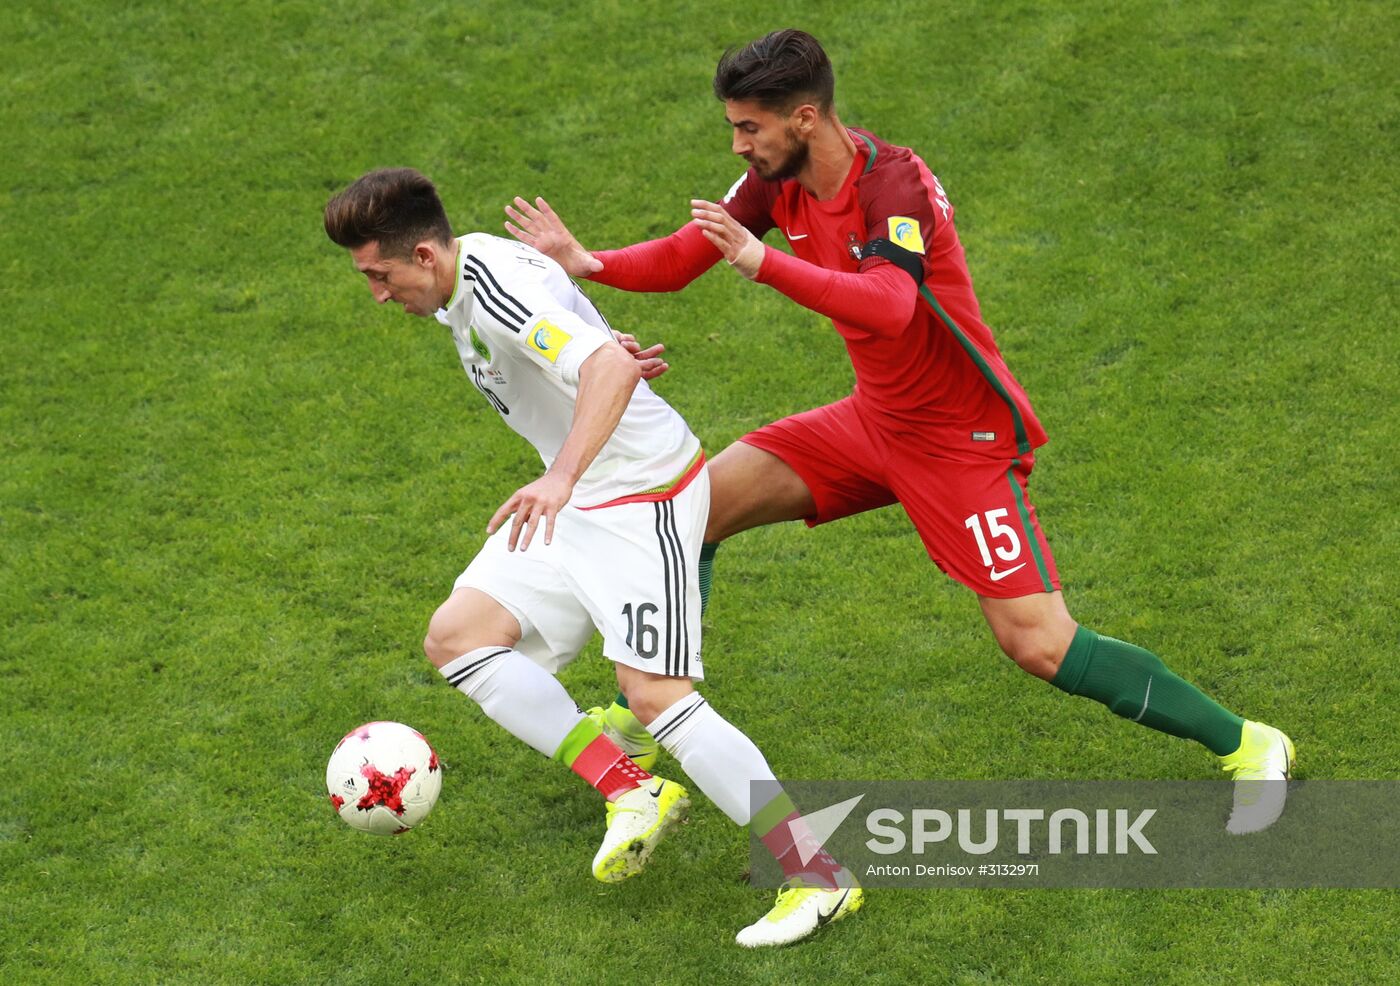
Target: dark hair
779,71
398,207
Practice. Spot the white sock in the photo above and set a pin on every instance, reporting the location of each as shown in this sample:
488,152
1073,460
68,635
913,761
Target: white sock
517,693
721,760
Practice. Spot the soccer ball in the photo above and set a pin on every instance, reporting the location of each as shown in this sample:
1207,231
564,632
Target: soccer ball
383,778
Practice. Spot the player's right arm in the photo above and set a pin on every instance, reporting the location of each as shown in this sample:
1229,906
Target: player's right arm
665,264
539,226
606,380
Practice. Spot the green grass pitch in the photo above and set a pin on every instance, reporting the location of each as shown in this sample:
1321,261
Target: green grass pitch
233,491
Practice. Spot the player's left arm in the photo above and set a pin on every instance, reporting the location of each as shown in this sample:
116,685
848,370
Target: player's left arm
879,299
606,380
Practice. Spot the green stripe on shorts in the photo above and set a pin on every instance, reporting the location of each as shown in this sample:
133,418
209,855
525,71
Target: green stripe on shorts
1026,526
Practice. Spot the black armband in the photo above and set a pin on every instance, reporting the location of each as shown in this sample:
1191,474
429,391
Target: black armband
906,260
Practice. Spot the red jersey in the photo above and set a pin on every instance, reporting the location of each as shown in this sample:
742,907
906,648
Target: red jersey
928,373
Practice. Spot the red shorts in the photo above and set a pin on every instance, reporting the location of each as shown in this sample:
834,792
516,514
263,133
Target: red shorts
975,519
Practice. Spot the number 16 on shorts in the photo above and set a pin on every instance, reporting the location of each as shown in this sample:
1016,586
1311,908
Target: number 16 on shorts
642,636
665,639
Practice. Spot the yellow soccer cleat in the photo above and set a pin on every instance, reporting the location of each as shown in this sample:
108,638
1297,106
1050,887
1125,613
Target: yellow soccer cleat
1261,767
801,911
637,821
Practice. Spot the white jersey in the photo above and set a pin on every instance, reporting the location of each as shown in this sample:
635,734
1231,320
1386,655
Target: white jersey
523,328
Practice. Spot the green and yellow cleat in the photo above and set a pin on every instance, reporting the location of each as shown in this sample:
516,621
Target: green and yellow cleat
801,911
1261,767
637,822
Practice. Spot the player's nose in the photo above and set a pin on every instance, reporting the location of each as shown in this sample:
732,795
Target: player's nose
741,144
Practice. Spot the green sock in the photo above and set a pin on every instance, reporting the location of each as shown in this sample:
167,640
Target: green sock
585,732
1136,685
635,737
707,565
773,814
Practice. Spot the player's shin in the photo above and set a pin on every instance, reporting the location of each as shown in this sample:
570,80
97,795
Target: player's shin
1135,684
599,761
725,763
530,704
783,831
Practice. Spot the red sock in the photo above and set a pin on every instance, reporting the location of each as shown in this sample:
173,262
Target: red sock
603,764
788,840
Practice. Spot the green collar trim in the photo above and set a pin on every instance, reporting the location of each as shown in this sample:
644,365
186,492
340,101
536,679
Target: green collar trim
460,279
870,144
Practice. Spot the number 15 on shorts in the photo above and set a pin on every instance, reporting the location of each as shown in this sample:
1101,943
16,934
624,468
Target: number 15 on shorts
996,532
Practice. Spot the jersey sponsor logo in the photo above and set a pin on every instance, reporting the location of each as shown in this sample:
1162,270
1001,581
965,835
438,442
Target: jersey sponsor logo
478,378
547,339
905,232
478,345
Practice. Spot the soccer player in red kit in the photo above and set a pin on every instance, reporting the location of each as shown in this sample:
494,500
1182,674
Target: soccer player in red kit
936,423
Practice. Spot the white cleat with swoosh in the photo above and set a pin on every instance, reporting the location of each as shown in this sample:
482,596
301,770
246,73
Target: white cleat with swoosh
637,821
801,911
1261,767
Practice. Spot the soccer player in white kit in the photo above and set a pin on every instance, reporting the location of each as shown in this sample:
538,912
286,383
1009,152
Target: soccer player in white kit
607,538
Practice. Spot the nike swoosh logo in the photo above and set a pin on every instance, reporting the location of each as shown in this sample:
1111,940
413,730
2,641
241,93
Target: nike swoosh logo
1143,711
824,918
795,236
659,788
998,576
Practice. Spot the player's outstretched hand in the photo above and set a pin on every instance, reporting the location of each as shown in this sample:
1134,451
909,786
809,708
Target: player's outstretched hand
540,227
649,359
740,247
543,498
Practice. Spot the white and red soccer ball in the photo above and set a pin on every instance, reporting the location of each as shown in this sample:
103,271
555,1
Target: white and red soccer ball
383,778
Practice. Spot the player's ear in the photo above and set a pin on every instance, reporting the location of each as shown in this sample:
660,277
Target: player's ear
424,255
804,119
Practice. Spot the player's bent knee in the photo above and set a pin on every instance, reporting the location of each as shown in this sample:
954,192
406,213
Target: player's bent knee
1034,631
649,695
443,643
1036,654
463,623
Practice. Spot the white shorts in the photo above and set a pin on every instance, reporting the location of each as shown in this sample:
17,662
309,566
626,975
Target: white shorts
631,571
